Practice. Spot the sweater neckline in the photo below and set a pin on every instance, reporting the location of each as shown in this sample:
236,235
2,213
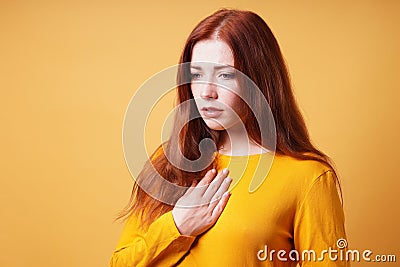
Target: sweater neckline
243,157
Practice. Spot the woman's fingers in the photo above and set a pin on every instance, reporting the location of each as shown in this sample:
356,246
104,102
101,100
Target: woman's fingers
191,188
193,196
198,188
215,185
222,189
202,204
206,180
219,206
209,188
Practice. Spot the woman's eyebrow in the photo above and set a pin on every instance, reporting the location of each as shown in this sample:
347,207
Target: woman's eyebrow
195,67
223,67
217,67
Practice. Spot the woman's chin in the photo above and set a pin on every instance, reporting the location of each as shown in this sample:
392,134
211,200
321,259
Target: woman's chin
213,125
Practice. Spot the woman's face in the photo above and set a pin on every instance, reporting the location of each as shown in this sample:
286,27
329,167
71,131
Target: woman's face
212,73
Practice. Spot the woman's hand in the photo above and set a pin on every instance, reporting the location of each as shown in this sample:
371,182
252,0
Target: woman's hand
200,207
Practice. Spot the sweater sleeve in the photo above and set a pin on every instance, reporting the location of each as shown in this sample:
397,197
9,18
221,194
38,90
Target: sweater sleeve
319,224
160,245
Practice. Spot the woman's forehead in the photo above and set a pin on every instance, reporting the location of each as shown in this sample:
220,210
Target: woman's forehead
213,50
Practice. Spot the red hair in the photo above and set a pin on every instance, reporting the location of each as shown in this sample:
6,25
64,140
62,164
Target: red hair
256,54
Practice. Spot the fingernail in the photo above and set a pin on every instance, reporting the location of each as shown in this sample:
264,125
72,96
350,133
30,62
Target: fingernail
213,170
228,180
225,171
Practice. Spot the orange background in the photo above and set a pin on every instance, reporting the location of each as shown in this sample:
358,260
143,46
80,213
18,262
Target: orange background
69,68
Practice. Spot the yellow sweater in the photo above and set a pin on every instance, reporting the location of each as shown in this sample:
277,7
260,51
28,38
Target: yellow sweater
297,207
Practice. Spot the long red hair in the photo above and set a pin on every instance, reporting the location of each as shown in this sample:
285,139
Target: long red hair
256,54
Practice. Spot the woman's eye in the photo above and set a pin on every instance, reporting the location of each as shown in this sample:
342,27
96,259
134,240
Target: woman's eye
228,76
195,76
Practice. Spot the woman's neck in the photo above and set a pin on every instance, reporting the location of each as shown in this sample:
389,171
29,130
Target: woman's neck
235,142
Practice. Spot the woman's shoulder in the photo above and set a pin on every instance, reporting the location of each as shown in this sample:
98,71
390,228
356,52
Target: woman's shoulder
300,170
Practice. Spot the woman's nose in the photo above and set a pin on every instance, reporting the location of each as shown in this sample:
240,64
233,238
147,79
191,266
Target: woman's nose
209,90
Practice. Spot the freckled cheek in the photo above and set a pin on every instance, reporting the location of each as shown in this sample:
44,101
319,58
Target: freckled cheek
233,101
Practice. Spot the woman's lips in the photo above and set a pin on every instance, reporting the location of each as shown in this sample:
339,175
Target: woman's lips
211,112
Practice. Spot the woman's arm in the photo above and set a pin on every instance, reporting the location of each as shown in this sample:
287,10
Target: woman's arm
170,236
319,224
160,245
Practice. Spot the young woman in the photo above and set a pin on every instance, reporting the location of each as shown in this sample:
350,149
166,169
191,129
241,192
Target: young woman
219,220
